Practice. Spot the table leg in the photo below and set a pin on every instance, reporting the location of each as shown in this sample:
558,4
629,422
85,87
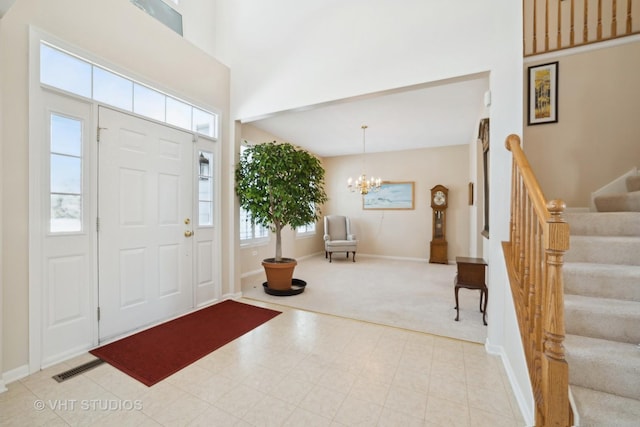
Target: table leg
457,307
486,298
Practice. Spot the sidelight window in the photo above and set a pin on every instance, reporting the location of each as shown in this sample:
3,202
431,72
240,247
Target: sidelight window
65,171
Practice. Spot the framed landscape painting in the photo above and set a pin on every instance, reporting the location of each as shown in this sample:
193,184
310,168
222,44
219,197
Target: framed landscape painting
392,195
543,94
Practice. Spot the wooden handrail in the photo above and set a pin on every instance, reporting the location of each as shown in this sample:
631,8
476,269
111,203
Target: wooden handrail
600,20
538,239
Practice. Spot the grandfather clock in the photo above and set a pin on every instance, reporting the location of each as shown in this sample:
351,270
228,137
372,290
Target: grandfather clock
439,203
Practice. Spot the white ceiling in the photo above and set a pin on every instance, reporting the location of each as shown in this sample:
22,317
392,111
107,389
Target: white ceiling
429,115
5,5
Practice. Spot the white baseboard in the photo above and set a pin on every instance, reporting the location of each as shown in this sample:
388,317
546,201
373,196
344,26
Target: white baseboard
234,295
523,404
396,258
14,375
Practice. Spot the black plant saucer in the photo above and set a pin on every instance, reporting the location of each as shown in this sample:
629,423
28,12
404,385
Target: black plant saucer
297,287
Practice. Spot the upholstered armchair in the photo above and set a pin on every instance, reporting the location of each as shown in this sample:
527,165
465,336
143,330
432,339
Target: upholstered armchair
338,237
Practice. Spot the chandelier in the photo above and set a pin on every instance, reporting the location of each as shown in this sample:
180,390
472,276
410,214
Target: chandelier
363,184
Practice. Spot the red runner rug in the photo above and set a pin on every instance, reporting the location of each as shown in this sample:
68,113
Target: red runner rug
154,354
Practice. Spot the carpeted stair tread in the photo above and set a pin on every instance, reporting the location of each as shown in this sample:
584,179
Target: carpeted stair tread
629,202
598,408
604,223
602,280
609,319
609,366
604,249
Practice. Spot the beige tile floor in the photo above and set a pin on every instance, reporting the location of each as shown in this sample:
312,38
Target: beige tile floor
299,369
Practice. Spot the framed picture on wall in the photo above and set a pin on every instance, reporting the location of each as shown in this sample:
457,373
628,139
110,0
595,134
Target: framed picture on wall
392,195
543,94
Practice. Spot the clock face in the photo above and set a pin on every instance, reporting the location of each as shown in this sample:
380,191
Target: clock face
439,198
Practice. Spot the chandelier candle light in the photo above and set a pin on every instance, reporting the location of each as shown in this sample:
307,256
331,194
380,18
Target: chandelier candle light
362,184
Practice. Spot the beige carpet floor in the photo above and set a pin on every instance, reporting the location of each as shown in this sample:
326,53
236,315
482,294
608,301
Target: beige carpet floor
412,295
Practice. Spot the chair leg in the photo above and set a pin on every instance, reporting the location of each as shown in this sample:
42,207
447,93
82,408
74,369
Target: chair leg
325,254
354,256
330,253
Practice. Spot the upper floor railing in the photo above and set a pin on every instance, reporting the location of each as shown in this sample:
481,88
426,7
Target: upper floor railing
551,25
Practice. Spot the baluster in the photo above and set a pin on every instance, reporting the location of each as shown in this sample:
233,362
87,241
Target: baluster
512,221
523,242
572,29
614,19
535,26
559,33
530,343
546,26
585,28
516,243
525,275
599,31
537,380
537,318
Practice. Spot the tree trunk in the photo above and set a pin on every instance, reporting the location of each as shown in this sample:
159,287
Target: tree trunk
278,241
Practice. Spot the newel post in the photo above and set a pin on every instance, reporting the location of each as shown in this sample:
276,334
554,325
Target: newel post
555,370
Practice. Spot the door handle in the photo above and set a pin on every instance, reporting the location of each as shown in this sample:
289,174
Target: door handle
188,233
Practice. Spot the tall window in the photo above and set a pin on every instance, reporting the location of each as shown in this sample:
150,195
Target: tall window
250,231
307,229
65,174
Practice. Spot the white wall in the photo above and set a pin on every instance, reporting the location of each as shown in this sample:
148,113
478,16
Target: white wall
404,233
2,386
288,54
145,49
284,54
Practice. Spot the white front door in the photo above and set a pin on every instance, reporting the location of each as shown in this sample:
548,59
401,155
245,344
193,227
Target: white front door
145,204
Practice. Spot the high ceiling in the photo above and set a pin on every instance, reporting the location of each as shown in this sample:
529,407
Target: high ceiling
430,115
5,5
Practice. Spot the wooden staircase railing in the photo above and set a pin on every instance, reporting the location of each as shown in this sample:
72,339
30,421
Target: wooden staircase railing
551,25
539,237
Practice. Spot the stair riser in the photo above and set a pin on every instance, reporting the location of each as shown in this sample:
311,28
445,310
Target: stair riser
605,409
602,375
604,224
602,285
621,251
629,202
609,326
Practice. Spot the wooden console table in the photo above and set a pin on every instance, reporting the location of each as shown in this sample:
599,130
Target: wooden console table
471,275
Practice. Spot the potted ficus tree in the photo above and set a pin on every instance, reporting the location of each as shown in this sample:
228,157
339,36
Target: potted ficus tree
280,185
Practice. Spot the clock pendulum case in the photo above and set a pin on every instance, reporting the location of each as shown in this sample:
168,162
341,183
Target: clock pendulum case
439,204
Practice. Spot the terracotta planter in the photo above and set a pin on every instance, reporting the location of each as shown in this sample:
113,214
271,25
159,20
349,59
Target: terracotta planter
279,274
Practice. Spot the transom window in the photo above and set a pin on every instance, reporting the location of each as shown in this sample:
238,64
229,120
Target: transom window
81,77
